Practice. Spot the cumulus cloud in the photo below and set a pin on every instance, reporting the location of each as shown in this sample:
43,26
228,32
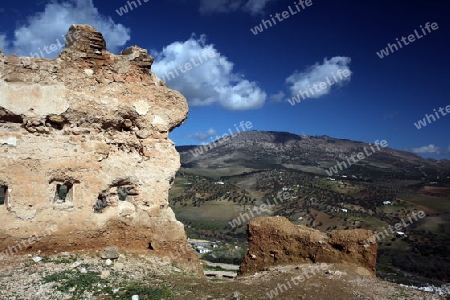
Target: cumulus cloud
427,149
46,27
253,7
201,136
332,72
210,78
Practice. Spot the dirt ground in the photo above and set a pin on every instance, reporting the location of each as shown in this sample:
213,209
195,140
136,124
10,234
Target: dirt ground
80,275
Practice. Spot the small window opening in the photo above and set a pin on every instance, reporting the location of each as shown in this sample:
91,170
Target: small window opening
3,195
64,192
118,191
150,246
100,204
123,192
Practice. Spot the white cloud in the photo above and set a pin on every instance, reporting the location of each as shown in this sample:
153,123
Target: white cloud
201,136
314,75
426,149
278,97
44,28
254,7
211,79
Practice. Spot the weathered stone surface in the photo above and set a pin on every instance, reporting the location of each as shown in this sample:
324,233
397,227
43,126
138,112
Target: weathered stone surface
110,252
276,241
75,122
138,56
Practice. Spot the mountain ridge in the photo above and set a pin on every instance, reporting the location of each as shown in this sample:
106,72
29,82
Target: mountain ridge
316,154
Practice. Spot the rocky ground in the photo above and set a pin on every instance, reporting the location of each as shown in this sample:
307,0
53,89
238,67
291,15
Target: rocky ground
84,275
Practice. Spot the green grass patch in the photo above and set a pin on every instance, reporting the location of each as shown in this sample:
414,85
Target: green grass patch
373,222
212,215
439,204
60,260
75,282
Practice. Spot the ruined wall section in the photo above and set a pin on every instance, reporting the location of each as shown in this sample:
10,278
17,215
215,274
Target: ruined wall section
84,146
275,241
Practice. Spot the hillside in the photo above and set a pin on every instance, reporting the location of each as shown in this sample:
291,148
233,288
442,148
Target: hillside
215,194
315,154
82,276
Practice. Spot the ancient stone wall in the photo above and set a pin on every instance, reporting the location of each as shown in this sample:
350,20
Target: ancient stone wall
276,241
84,149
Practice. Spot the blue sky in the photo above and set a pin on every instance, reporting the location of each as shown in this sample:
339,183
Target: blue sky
251,77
